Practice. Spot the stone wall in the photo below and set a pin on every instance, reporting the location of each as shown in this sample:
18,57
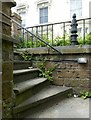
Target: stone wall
68,72
7,60
16,32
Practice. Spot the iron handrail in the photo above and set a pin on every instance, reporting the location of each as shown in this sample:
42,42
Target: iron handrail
12,20
48,24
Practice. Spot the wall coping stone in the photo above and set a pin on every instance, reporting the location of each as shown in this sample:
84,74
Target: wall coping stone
63,49
9,38
12,3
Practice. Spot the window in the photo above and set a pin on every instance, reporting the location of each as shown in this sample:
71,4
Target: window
43,15
76,7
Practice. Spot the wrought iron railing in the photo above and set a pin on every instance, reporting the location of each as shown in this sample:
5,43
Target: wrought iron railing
53,34
58,34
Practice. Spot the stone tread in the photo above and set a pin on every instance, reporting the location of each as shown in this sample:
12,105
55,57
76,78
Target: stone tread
21,87
25,70
21,61
47,92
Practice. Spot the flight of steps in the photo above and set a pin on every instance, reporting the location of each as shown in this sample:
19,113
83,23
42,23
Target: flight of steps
31,90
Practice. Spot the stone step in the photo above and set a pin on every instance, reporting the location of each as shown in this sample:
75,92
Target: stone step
25,85
28,88
50,92
21,64
17,55
25,74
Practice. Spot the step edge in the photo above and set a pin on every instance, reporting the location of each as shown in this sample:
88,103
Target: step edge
27,106
21,61
17,72
18,91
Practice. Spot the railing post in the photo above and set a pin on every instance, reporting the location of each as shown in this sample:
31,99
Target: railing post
74,31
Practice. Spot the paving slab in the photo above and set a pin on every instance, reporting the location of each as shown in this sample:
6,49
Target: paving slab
67,108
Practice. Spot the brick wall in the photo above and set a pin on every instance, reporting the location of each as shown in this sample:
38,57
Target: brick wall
68,71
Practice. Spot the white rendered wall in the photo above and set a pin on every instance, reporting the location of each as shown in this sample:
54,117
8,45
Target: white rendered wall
58,10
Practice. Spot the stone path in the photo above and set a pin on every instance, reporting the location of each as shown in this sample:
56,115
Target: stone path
68,108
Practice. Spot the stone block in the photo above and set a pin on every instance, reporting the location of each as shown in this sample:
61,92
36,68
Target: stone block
58,81
7,108
0,91
6,8
7,51
68,73
7,45
7,71
6,29
76,83
77,90
7,90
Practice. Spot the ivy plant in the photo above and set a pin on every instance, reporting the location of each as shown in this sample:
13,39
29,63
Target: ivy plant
85,94
46,73
26,56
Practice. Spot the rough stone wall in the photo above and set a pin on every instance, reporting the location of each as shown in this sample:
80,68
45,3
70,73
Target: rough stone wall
7,61
68,71
15,28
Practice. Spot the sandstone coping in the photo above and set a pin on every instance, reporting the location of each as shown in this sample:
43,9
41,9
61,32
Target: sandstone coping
63,49
9,38
12,3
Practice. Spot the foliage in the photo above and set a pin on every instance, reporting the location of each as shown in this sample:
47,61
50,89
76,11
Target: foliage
57,41
87,40
26,56
47,73
62,41
85,94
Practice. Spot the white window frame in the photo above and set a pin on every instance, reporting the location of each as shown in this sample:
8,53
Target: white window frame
43,18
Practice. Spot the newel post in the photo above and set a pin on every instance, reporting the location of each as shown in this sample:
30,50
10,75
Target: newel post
6,71
74,31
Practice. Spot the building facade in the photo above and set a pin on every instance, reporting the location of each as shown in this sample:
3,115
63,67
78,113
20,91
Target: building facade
34,12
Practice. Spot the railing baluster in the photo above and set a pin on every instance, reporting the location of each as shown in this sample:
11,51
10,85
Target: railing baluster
32,38
52,35
41,33
27,40
23,37
47,31
36,35
84,31
64,32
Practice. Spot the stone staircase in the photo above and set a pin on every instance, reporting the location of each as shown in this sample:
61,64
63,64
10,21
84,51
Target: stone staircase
31,90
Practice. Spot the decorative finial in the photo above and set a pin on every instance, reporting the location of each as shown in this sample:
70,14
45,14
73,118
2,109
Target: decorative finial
74,30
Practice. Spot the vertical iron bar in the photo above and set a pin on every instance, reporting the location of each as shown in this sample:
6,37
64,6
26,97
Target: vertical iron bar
23,37
52,34
64,32
27,40
47,31
32,37
41,34
84,31
36,35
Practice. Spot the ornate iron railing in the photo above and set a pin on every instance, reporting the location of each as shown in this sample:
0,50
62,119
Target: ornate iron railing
62,31
53,34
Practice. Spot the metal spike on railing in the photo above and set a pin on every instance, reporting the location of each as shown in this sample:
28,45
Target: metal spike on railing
74,30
